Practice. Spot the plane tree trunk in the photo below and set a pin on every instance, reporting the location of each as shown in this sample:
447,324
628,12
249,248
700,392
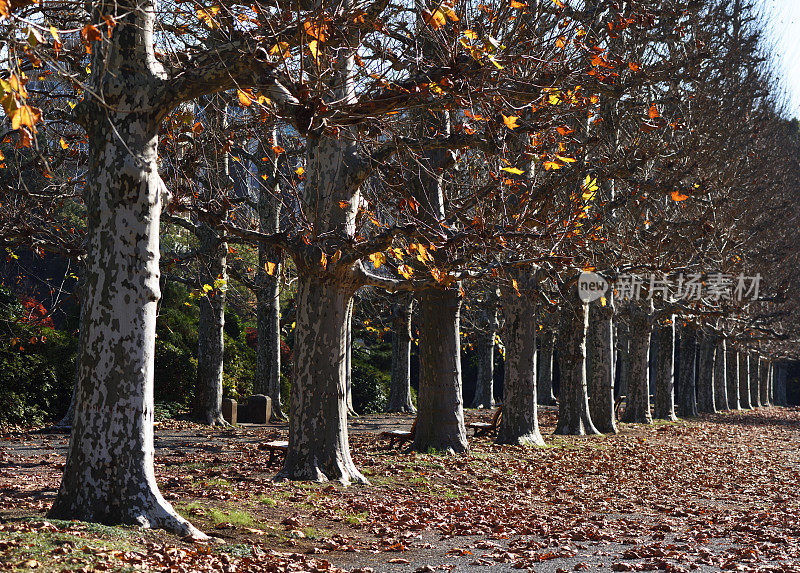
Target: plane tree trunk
488,323
664,399
720,375
744,380
732,376
763,388
207,406
705,382
601,373
686,399
400,386
109,475
637,403
754,366
519,423
544,378
268,286
573,403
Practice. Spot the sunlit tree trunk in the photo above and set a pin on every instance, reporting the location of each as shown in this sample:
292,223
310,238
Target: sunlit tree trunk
109,474
764,377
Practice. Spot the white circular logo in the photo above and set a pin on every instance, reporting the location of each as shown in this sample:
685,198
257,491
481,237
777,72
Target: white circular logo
591,286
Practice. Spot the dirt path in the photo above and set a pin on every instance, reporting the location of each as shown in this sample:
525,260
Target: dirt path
713,493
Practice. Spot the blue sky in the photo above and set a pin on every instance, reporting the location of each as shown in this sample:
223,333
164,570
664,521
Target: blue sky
783,24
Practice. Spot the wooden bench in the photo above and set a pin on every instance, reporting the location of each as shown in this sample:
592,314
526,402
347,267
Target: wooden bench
275,447
483,428
400,436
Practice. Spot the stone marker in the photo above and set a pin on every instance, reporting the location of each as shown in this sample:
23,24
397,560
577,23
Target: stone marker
229,410
257,410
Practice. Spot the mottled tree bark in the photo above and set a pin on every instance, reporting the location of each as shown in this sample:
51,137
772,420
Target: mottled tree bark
109,475
544,378
318,442
268,302
705,382
440,407
637,404
207,406
664,399
763,387
488,323
519,423
744,380
732,376
686,400
601,373
755,380
573,403
720,373
400,386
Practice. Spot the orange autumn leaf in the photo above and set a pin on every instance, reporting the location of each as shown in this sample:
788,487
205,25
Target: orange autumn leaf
510,121
565,130
244,98
633,66
25,116
90,33
277,149
653,112
678,196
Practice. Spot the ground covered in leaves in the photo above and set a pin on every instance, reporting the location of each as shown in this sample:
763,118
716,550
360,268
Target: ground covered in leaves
713,493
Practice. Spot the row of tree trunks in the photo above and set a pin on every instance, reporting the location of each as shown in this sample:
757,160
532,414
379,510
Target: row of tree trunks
720,373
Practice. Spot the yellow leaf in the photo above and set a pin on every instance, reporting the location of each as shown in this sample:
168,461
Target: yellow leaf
269,266
377,259
207,288
405,270
54,33
566,159
312,47
513,170
207,16
516,286
25,116
510,121
548,165
299,171
63,144
470,34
